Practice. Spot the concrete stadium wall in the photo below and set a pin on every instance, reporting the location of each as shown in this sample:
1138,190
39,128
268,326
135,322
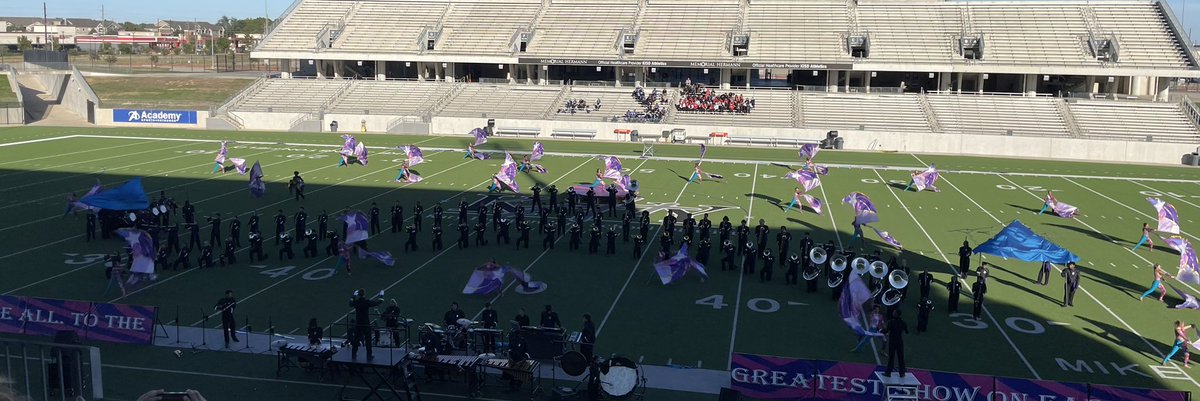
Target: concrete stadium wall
78,93
914,142
252,120
104,117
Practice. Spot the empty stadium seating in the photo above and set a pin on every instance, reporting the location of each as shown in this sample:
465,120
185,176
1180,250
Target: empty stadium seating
291,95
686,29
772,108
374,26
797,31
298,31
1133,121
998,115
1032,34
503,101
916,32
1143,35
582,28
397,98
484,27
865,111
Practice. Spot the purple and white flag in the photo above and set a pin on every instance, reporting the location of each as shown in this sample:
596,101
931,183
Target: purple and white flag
1168,218
864,210
360,153
1061,209
538,151
411,178
485,280
623,183
356,226
813,203
482,156
348,145
888,238
414,155
142,245
540,169
809,180
674,268
480,136
239,164
925,179
521,277
384,257
222,153
257,186
612,167
1189,267
850,305
703,150
508,174
808,151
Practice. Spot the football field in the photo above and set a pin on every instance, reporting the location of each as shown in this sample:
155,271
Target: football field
1107,337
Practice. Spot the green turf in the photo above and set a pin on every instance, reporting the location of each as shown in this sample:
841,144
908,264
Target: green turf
6,90
161,92
1025,334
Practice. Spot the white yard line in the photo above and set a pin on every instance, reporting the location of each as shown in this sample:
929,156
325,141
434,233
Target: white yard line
737,305
632,272
276,203
1085,291
995,322
836,234
73,153
1152,218
1166,193
102,171
544,251
55,138
687,159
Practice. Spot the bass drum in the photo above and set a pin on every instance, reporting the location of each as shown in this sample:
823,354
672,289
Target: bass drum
573,363
619,377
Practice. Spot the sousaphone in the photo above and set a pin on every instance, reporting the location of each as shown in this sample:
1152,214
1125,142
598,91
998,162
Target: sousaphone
898,279
818,256
838,265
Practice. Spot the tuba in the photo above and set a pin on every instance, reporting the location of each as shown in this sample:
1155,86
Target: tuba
818,255
878,271
860,265
838,265
811,269
898,279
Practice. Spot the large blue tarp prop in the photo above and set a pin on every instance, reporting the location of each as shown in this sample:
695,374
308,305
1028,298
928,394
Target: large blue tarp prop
128,196
1019,242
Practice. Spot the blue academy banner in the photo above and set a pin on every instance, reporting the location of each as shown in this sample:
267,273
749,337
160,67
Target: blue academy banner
154,116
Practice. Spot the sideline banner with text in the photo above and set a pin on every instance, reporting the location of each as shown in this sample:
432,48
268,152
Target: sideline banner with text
771,377
111,323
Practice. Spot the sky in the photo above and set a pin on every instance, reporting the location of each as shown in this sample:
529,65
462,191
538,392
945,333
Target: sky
211,10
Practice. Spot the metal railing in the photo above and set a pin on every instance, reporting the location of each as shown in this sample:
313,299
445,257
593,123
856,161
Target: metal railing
46,372
233,99
1189,109
302,118
283,18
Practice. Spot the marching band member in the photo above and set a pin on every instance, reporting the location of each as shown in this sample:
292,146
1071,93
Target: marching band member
1146,231
955,288
1159,273
697,175
1071,274
1181,342
315,332
795,201
964,259
875,324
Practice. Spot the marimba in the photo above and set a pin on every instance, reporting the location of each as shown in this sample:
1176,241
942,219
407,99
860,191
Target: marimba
304,356
457,365
525,371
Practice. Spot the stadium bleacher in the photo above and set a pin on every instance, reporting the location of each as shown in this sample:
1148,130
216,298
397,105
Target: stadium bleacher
1133,121
484,27
584,28
614,102
1032,34
862,111
1143,34
389,97
291,95
298,31
914,33
998,115
797,30
374,27
686,29
503,101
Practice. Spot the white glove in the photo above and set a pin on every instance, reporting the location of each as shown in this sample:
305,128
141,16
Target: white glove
381,293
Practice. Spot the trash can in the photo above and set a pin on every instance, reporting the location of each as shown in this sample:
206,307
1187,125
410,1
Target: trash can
1191,159
333,126
839,142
